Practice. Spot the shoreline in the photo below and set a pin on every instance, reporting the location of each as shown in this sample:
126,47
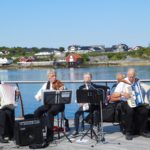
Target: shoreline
109,63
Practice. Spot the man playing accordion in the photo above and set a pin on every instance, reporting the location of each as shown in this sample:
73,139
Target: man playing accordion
136,112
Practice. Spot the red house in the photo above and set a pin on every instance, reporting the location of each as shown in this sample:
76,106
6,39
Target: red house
26,59
74,59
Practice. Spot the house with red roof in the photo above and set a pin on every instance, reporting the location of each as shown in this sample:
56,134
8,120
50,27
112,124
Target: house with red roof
74,59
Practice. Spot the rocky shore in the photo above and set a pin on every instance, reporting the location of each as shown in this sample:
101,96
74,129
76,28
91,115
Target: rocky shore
88,64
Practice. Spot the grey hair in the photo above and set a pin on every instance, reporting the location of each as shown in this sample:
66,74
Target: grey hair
51,71
88,73
132,70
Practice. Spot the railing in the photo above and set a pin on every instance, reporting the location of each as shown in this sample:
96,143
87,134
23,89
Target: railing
70,81
104,82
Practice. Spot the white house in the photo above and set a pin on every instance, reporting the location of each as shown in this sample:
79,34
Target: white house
43,53
5,61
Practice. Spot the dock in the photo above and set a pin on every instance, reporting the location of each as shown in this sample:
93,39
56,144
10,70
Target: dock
114,140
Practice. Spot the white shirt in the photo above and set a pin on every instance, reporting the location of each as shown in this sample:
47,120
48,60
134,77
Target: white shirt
85,106
121,88
38,96
86,86
7,96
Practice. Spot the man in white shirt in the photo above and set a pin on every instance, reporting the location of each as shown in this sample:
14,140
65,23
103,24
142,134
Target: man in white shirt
7,111
136,116
50,109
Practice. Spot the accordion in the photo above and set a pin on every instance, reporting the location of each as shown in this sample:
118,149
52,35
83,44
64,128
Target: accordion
136,97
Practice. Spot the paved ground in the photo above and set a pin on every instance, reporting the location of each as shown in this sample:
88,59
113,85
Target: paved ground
114,140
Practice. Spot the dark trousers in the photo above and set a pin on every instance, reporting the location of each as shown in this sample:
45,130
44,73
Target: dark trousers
135,118
78,113
7,119
50,111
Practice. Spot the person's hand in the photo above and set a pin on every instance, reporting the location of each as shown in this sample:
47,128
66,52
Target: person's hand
81,104
61,88
108,97
38,97
126,95
17,93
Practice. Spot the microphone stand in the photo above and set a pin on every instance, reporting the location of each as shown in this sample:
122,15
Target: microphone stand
101,131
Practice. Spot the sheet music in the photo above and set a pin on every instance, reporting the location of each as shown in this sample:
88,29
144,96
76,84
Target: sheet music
65,94
56,97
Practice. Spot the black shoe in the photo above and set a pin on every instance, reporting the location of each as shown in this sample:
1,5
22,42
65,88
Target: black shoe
11,138
67,125
129,136
50,136
75,133
145,134
67,129
2,140
49,139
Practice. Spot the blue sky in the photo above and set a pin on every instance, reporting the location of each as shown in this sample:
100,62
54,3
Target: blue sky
56,23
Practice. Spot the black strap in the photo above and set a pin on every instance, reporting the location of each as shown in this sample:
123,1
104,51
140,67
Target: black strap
48,85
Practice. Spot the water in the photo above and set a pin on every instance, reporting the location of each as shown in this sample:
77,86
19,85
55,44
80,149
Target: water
29,90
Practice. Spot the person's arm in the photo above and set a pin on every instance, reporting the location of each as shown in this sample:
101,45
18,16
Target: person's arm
115,97
119,93
38,96
119,96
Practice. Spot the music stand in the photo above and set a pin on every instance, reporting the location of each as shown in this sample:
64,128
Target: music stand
57,97
91,97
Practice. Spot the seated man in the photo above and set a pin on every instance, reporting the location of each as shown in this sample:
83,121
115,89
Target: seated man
7,113
50,109
114,100
135,115
84,107
120,78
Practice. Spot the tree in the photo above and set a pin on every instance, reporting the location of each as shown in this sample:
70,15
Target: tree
61,49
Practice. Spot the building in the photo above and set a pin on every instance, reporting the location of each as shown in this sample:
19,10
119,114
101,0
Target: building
5,61
86,49
26,59
136,48
44,53
73,60
120,48
73,48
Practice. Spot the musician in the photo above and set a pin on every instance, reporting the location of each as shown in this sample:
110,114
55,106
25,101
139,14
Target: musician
115,96
8,95
50,109
135,117
84,107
